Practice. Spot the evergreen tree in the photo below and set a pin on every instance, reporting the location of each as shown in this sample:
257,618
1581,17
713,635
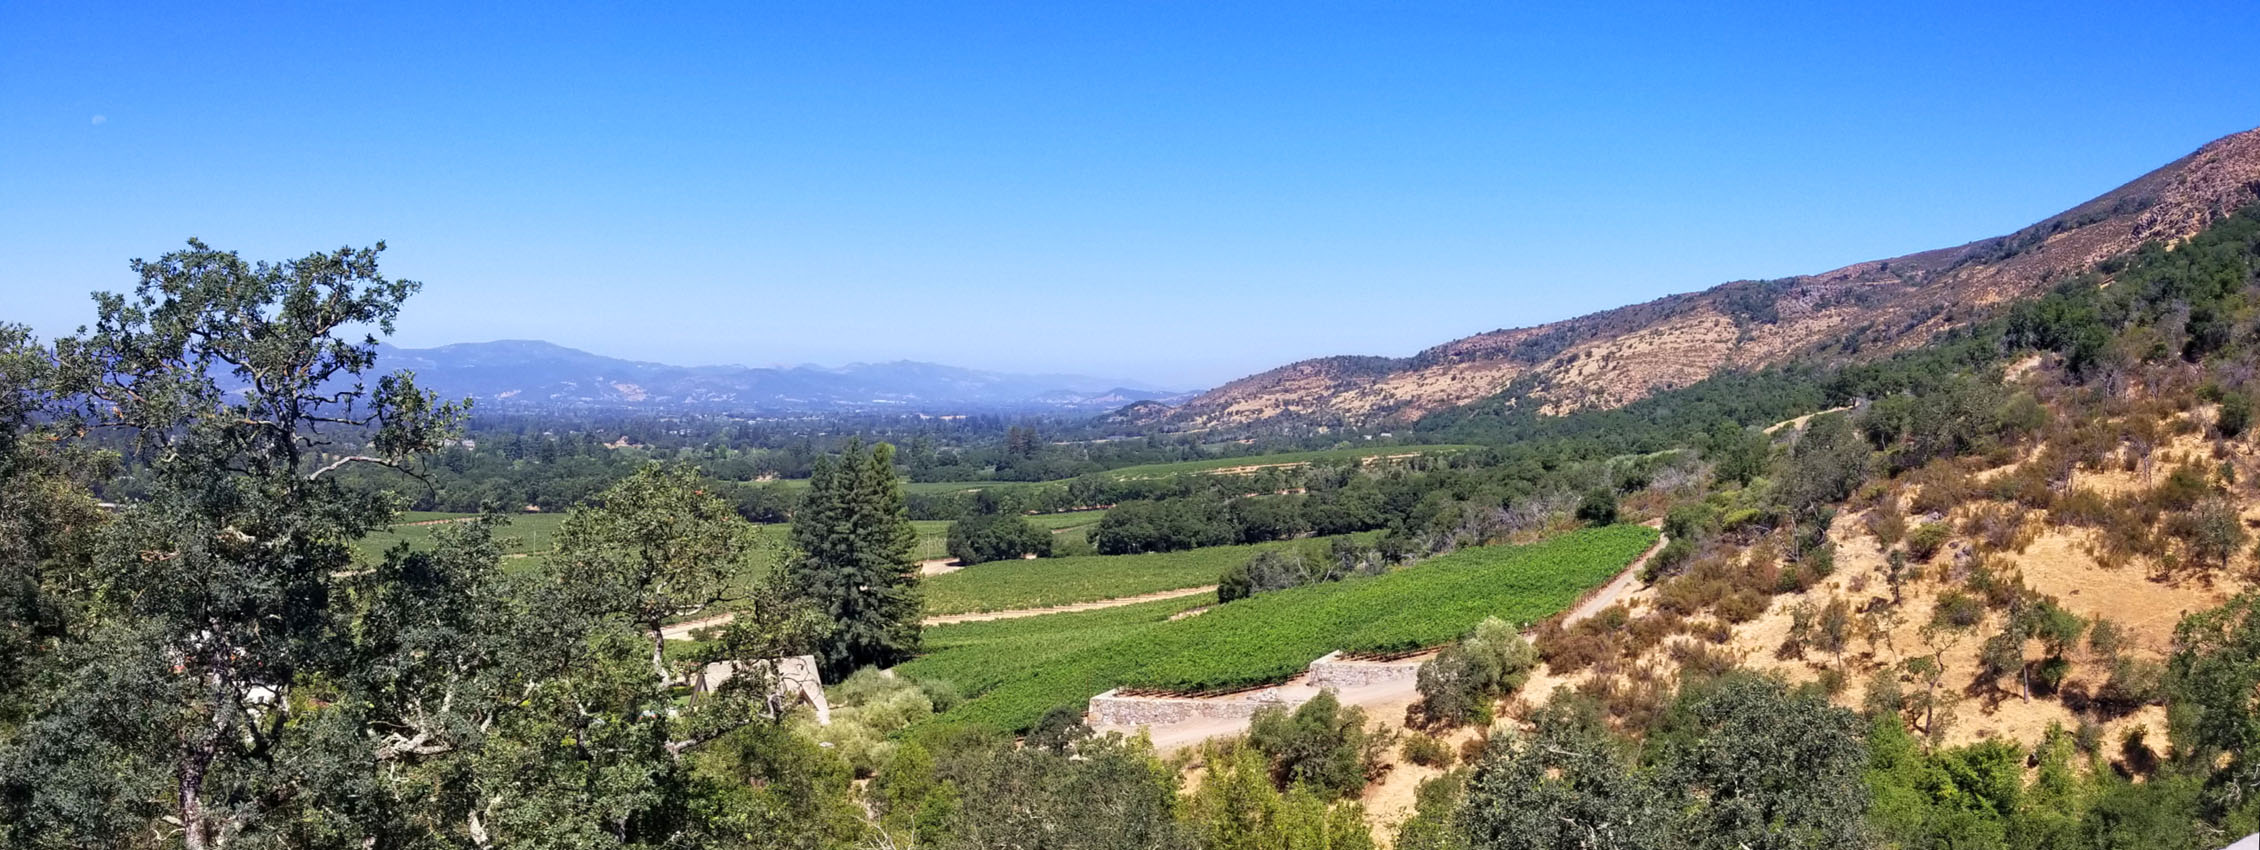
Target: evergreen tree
854,562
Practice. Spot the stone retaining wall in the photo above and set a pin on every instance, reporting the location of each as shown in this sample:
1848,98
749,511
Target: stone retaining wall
1113,709
1334,671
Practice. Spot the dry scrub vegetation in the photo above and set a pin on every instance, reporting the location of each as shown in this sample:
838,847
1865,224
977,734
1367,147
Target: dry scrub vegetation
1987,594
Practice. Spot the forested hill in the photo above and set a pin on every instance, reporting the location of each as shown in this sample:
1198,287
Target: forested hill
530,374
1609,359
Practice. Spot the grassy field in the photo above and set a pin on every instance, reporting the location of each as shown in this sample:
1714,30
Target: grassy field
1071,532
525,534
1273,636
1071,519
1044,582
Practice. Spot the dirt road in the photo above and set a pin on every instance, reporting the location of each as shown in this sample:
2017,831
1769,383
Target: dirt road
682,630
1625,582
1095,605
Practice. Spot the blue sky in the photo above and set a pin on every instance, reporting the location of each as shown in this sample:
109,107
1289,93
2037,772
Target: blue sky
1178,192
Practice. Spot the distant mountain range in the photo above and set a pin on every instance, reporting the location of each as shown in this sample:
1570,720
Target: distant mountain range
529,374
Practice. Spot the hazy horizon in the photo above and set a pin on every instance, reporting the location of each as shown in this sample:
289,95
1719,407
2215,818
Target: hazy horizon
1179,195
794,365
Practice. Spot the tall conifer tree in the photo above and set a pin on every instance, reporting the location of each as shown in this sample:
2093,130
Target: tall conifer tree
854,563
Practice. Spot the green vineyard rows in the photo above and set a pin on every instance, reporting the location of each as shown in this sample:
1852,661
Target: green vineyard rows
1043,582
1270,637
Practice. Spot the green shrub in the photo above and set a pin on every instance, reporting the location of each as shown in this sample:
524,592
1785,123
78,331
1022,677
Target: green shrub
1691,521
1820,561
1668,559
2106,639
2048,675
2181,489
1742,606
1939,488
1739,520
1060,728
2134,682
1957,610
2212,530
2080,506
1321,745
1924,542
867,709
1425,750
1599,507
1887,523
1269,570
2236,415
1460,683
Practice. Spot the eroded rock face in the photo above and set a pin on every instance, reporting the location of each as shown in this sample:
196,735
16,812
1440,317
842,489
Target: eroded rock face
1620,356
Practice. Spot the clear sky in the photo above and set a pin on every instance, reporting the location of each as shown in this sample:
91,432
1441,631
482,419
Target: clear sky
1177,192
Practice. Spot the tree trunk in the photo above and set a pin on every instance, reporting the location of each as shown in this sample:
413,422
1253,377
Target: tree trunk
197,754
659,654
1930,697
193,765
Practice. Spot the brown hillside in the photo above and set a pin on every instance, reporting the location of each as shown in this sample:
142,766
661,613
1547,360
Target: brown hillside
1615,357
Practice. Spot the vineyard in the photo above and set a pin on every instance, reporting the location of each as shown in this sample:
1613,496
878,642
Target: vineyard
979,656
521,534
1043,582
1270,637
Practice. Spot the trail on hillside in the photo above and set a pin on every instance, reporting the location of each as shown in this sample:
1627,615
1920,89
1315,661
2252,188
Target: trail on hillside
1798,422
682,630
1117,602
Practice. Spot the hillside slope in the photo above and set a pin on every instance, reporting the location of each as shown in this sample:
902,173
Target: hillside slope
1615,357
